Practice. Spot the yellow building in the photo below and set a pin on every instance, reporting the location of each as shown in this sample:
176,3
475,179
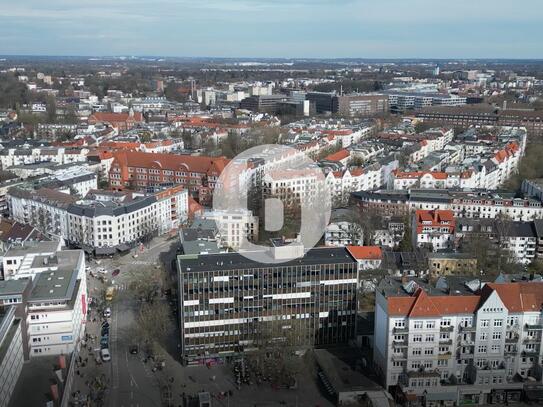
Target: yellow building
446,264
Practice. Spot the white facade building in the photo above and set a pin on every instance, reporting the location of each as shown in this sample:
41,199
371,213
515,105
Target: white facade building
234,226
466,344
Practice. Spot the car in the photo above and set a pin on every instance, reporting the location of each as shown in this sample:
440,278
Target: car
115,272
133,349
101,270
104,341
105,324
106,356
105,332
107,312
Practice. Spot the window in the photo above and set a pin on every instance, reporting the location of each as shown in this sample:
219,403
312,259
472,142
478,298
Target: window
428,351
495,349
498,323
496,335
417,351
430,324
417,338
429,338
417,325
399,323
481,349
485,323
483,336
445,322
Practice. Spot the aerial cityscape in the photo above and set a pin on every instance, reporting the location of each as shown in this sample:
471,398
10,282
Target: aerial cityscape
256,203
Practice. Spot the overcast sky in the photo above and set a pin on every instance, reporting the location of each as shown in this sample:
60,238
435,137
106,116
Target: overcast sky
274,28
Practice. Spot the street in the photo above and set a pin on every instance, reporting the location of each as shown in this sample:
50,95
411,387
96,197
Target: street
132,381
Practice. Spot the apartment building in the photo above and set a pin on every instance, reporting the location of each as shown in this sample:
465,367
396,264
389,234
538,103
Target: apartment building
522,240
43,208
343,233
10,157
234,226
228,301
293,186
433,229
487,171
458,342
115,220
102,219
138,170
342,183
476,204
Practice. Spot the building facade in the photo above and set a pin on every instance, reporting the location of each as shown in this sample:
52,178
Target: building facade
228,301
468,343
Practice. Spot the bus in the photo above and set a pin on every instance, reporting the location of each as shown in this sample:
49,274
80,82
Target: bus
110,292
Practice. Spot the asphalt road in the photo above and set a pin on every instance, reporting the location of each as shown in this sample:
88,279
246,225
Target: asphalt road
133,384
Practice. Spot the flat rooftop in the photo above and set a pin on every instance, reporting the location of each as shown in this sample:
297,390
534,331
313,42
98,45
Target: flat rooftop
10,287
60,280
233,261
32,248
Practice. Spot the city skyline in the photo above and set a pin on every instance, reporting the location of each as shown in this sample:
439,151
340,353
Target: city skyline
302,29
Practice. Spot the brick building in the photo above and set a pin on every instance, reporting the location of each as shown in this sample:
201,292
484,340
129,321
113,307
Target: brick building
138,170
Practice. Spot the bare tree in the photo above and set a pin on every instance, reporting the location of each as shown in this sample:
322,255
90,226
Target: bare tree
154,324
147,282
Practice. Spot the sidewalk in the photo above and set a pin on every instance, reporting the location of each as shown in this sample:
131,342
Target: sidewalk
92,378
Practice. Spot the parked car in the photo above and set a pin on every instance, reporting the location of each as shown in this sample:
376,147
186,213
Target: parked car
104,341
134,349
107,312
101,270
116,272
105,332
106,356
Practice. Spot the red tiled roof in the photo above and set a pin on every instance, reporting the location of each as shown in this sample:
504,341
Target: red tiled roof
340,155
422,305
518,297
365,252
115,117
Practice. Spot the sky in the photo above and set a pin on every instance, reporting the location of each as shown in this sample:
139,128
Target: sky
274,28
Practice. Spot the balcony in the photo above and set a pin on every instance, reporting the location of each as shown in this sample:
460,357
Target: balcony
400,330
445,341
533,327
400,344
399,357
513,339
467,328
446,328
532,340
445,355
512,351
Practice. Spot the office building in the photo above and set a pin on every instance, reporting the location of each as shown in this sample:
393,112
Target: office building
227,301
